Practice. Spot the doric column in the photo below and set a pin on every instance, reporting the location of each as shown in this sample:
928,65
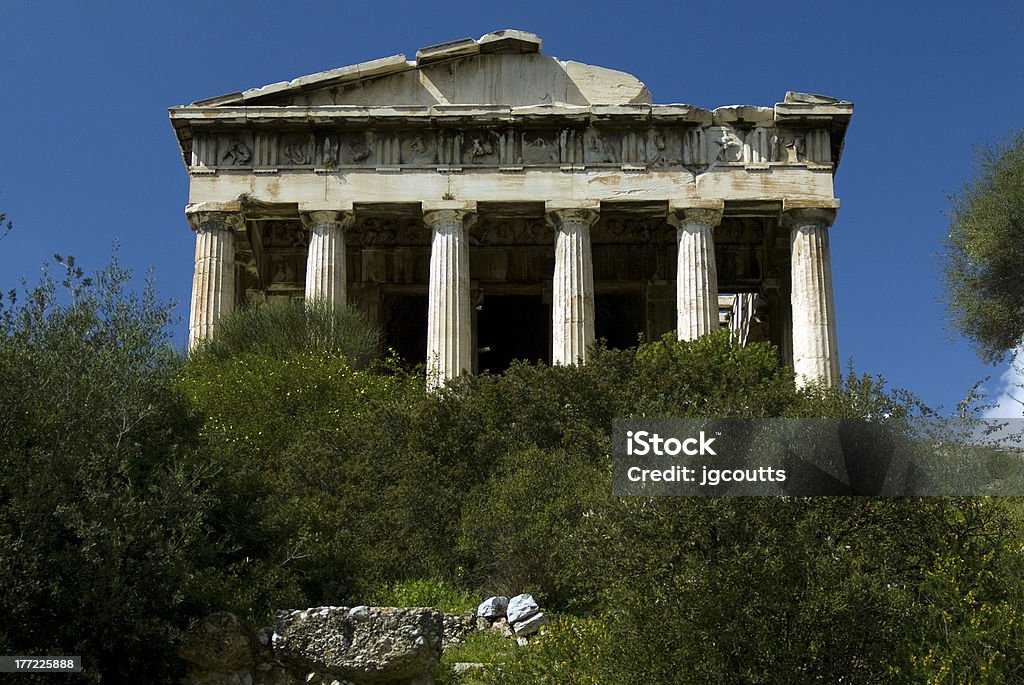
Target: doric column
213,281
449,314
572,293
815,352
696,273
325,263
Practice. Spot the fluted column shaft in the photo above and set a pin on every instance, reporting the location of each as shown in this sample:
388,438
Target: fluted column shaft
326,275
815,350
696,272
449,314
572,294
213,280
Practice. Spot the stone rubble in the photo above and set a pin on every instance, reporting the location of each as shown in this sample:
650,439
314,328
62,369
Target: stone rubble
358,645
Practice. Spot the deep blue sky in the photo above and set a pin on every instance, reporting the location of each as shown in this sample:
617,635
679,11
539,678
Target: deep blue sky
89,156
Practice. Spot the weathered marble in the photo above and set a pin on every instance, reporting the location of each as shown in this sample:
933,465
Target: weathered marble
213,282
696,272
815,350
326,274
449,316
572,291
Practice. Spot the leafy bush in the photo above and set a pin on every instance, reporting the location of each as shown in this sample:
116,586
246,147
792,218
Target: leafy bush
515,525
280,329
314,502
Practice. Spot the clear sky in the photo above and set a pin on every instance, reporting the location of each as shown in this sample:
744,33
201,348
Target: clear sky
89,155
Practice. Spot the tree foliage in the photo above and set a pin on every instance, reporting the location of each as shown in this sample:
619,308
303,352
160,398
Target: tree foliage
101,522
984,256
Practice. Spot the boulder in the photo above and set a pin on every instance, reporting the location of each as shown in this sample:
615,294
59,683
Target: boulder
492,607
530,625
520,607
219,642
363,645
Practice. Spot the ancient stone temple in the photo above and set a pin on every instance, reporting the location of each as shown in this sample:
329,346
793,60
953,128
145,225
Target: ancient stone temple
485,202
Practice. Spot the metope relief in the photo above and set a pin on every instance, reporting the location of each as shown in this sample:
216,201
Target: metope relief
664,146
354,149
418,148
540,147
601,147
480,147
726,145
233,151
297,149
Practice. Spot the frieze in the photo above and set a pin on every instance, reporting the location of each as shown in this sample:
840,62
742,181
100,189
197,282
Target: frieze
699,148
282,234
632,230
376,232
511,232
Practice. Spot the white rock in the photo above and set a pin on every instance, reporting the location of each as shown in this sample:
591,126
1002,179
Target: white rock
492,607
520,607
529,626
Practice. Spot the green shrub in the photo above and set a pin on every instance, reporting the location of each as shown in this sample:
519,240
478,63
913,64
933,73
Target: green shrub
281,329
426,592
318,501
516,524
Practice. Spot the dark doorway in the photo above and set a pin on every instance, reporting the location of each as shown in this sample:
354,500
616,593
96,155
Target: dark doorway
405,326
512,327
619,319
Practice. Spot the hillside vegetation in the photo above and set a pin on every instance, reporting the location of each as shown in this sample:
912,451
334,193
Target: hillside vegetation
140,491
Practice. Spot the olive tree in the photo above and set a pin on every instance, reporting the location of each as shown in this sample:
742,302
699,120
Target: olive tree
984,255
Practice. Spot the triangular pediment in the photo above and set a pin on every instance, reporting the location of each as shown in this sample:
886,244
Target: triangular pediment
501,68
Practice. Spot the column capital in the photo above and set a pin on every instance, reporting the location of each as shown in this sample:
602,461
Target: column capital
215,220
319,217
583,212
708,213
796,214
439,212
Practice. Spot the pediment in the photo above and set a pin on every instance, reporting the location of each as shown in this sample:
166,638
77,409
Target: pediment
501,68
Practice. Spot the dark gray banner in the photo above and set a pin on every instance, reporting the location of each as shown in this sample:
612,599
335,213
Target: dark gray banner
813,457
40,664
